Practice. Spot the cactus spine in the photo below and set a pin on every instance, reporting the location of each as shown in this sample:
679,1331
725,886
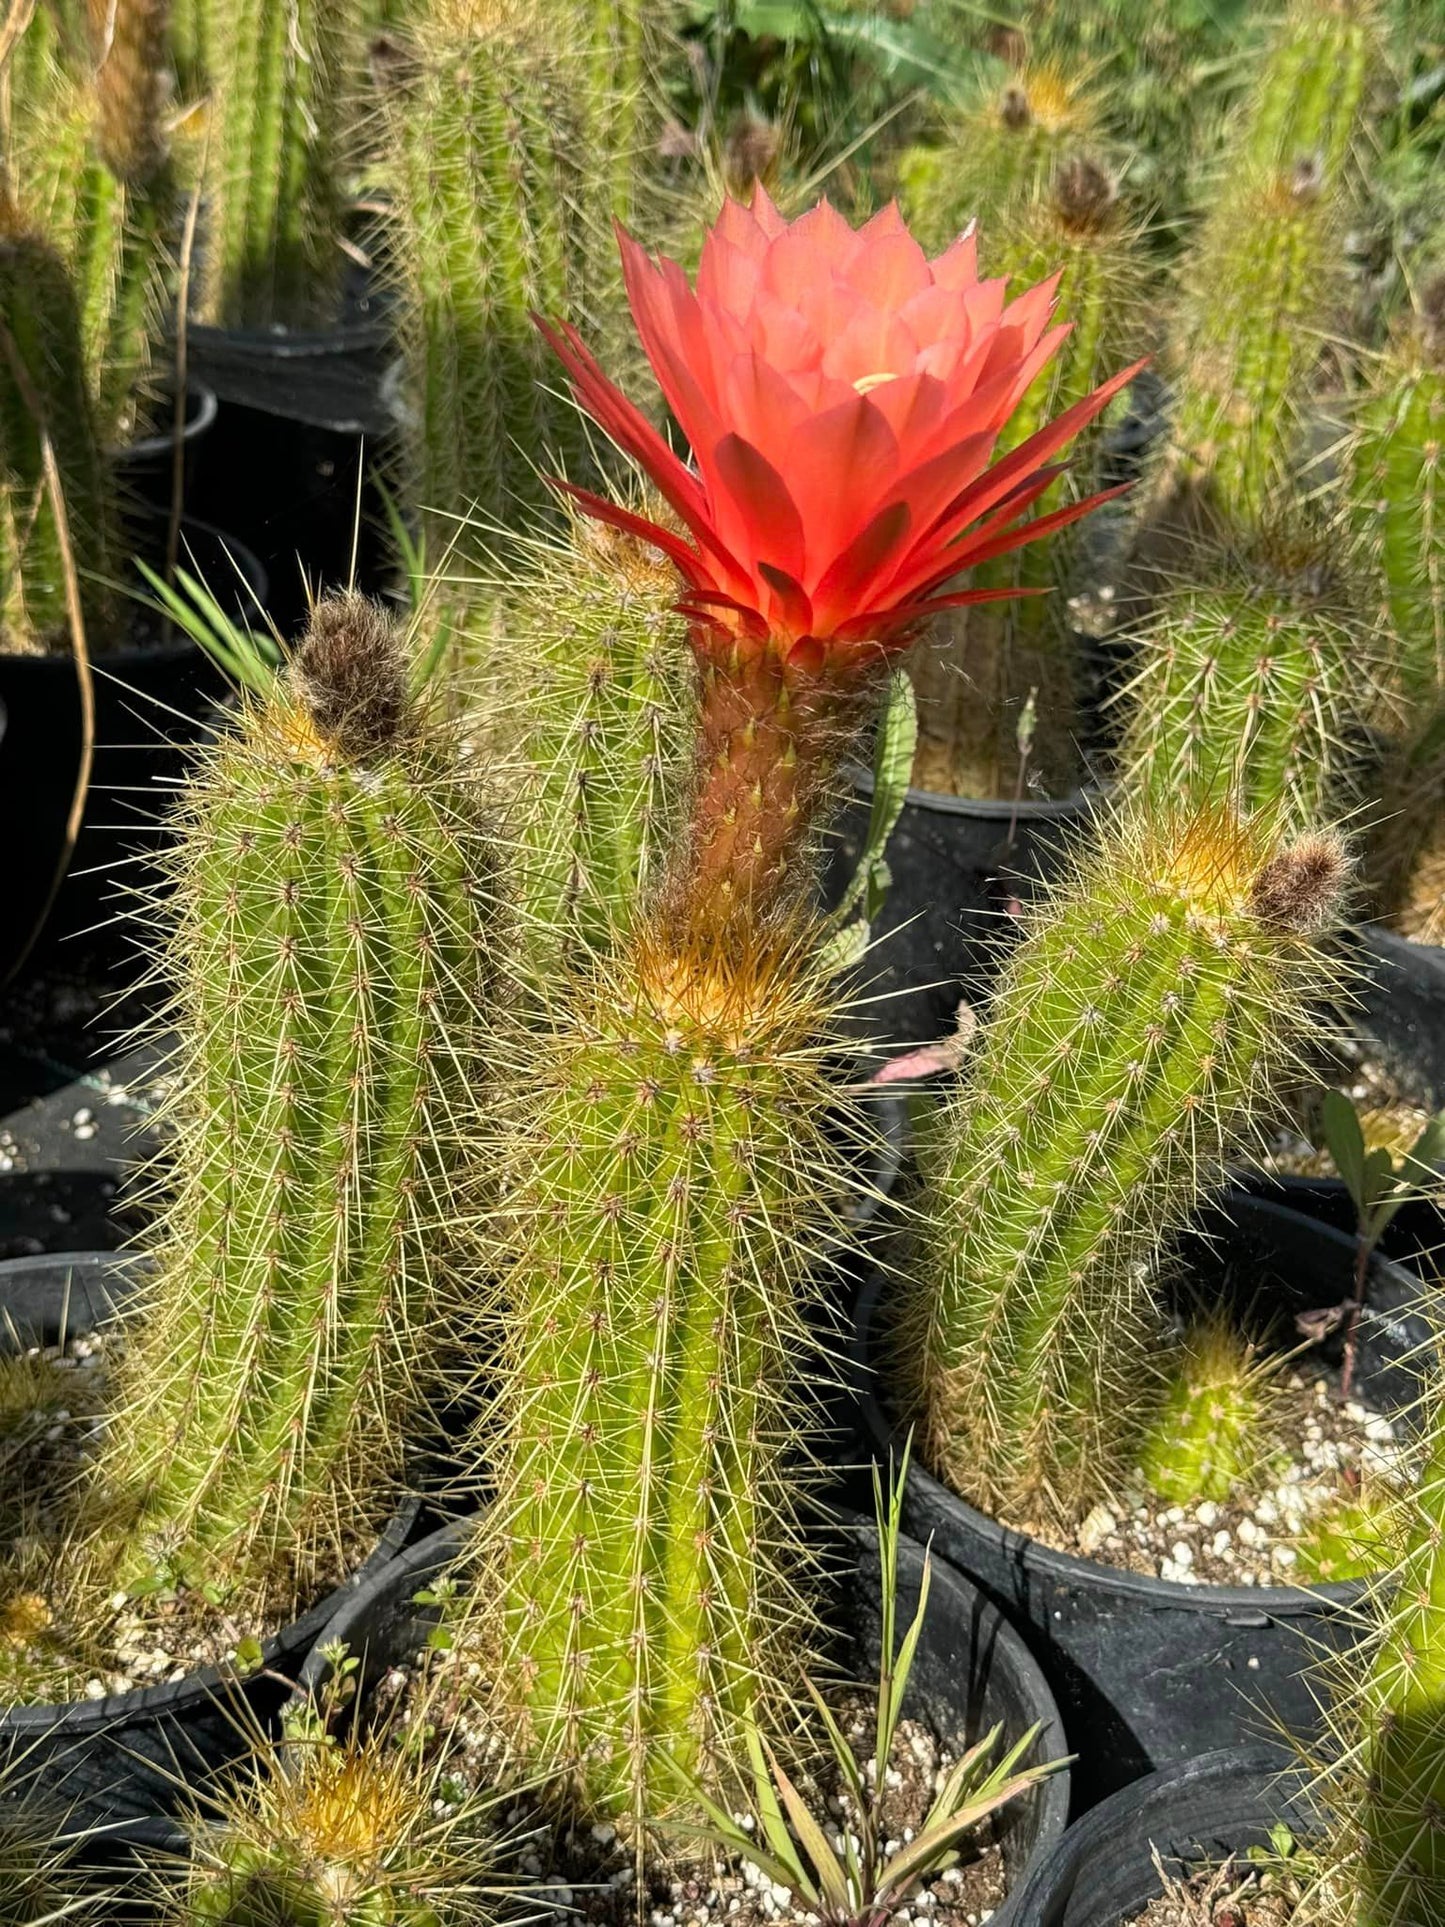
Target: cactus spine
1254,684
503,214
284,72
43,392
1212,1428
1259,283
1136,1027
976,679
331,940
674,1190
594,632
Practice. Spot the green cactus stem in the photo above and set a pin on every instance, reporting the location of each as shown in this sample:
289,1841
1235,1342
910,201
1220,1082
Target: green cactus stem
1395,1842
43,393
1212,1430
1135,1034
602,658
1311,85
1257,685
285,74
503,213
674,1193
985,666
331,937
998,156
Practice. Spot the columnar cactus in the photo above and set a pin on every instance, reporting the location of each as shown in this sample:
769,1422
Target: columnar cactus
675,1192
1212,1430
44,393
605,667
1259,284
982,667
1256,684
1137,1029
503,212
331,938
284,72
998,156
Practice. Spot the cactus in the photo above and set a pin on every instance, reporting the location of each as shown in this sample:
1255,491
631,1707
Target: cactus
1157,994
1212,1430
674,1189
329,1833
37,1886
284,74
331,936
503,213
975,679
1310,88
43,392
592,629
999,156
1256,683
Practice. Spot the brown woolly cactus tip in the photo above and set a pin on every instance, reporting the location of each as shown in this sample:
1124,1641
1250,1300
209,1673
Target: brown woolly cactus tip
1300,887
129,44
1008,44
1084,193
751,153
1432,319
1307,178
1013,107
350,676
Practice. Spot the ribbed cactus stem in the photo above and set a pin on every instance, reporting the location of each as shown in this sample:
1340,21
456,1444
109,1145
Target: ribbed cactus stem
43,393
981,667
1306,98
675,1190
331,938
504,212
1135,1033
1212,1430
1256,685
284,72
1396,1841
594,657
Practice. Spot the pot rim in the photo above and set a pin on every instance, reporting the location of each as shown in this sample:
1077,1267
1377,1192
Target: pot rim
30,1719
199,419
990,809
1072,1569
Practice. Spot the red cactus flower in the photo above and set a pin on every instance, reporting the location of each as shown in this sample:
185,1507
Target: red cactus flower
843,397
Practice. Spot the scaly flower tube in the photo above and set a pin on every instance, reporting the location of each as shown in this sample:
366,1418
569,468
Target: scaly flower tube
843,397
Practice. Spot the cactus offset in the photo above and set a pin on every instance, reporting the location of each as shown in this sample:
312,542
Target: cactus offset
43,392
331,939
284,74
1213,1428
1255,684
675,1189
1156,996
592,629
503,214
976,676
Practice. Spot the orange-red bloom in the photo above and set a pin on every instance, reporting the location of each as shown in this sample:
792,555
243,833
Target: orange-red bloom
843,397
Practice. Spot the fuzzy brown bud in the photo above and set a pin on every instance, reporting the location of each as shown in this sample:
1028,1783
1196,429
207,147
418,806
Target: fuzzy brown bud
1014,109
1300,887
1084,193
350,675
129,45
1432,320
751,153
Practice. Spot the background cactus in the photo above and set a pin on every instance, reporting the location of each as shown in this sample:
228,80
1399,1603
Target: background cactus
982,665
504,211
43,392
674,1191
1255,684
331,938
285,78
590,624
1260,283
1156,996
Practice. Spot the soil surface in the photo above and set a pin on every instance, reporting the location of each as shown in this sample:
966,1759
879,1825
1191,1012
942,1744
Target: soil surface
1234,1895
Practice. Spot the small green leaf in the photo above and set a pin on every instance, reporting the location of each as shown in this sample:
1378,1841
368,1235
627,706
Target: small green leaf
249,1656
1345,1142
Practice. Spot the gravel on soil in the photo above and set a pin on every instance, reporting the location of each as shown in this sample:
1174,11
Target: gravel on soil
1231,1895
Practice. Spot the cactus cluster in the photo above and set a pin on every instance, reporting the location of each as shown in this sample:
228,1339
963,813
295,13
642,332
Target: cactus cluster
332,936
1134,1033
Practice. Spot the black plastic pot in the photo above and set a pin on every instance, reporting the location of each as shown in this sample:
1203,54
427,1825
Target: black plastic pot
150,703
1102,1873
1150,1673
971,1670
123,1762
956,864
303,423
144,469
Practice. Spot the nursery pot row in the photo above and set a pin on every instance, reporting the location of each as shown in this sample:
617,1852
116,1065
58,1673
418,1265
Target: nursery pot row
1152,1673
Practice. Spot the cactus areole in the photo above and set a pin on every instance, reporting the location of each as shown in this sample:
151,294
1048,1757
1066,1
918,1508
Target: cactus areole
843,397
